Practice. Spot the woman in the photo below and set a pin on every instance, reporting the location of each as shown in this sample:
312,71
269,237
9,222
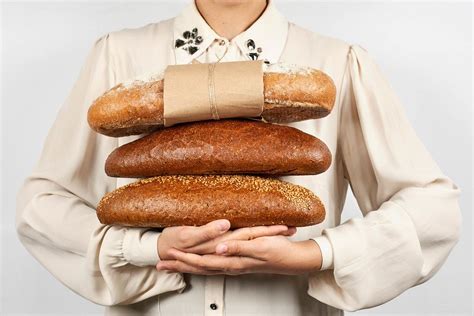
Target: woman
411,214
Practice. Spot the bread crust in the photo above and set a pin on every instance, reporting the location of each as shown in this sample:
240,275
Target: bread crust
231,146
245,201
137,107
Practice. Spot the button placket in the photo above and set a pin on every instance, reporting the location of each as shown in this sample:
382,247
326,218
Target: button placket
214,295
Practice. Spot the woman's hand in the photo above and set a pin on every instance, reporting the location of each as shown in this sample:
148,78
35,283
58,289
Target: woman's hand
203,239
267,254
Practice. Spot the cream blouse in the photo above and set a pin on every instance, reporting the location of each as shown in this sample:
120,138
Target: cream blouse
411,213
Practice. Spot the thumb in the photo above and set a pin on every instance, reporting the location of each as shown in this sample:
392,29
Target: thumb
209,231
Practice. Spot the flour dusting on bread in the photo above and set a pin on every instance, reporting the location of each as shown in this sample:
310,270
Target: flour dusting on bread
142,79
276,67
287,68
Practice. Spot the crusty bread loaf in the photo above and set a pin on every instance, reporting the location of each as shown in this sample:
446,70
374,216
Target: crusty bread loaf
232,146
291,93
196,200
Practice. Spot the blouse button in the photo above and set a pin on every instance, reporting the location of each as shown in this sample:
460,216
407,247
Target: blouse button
222,42
213,306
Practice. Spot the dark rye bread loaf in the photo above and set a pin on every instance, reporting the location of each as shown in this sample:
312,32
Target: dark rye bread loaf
221,147
196,200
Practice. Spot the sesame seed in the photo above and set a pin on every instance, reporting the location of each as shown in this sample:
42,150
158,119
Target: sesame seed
300,197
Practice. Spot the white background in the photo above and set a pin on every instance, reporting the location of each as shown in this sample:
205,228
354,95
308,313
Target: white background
424,49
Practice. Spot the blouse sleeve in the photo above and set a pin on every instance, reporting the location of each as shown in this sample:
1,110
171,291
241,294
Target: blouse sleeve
56,219
411,213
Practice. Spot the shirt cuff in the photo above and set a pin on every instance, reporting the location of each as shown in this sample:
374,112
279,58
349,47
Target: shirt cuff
140,247
326,252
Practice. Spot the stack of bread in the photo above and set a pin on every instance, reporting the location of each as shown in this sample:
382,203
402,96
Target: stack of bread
193,173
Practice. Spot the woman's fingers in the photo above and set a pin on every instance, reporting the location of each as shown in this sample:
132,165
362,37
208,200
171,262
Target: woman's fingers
189,236
179,266
229,265
246,233
291,231
248,248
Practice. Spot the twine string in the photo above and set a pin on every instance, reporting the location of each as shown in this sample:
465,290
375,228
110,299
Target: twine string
211,86
212,91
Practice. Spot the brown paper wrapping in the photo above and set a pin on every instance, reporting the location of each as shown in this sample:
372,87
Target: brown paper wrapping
203,91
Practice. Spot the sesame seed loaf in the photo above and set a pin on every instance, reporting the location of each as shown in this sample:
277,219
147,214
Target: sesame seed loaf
196,200
291,93
231,146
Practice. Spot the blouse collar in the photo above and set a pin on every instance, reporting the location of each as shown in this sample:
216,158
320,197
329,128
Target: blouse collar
263,40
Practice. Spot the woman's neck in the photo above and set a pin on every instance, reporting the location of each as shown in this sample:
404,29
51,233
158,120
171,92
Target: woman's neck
230,18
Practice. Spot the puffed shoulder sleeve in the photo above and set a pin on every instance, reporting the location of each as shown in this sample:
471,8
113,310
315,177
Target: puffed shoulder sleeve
411,213
56,219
